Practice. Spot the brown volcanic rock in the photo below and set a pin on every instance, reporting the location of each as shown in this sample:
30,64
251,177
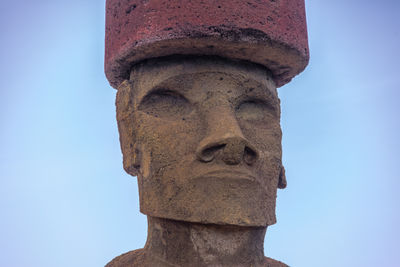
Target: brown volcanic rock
137,258
268,32
203,137
199,121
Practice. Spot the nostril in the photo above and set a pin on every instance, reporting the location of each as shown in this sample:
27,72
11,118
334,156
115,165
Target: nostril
208,154
250,155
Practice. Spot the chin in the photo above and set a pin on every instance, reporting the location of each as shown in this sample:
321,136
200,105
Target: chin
223,200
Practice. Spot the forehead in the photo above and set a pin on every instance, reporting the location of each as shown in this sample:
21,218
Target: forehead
156,73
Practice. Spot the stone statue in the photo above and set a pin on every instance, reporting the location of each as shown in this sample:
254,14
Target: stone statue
204,139
201,131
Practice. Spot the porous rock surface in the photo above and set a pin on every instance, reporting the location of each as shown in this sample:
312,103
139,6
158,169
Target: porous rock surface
199,121
268,32
137,258
189,126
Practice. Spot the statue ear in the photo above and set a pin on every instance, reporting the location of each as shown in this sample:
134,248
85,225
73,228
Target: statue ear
127,137
282,183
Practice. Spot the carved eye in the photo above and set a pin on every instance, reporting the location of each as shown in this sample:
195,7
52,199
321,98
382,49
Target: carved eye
254,111
165,104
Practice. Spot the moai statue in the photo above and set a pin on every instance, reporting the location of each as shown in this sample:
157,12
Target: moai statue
199,121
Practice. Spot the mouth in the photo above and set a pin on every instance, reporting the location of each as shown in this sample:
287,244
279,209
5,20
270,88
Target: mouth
228,175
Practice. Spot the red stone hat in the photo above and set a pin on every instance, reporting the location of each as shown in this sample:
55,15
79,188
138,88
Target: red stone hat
272,33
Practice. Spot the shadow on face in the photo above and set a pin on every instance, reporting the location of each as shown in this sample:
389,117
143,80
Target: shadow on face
203,136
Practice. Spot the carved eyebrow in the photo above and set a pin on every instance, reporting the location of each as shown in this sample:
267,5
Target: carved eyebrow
164,87
182,83
161,90
177,83
259,92
273,106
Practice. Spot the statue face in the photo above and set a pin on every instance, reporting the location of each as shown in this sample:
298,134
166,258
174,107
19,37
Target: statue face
204,138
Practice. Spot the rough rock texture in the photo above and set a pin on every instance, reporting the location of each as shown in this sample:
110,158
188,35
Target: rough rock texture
174,243
137,258
203,136
199,121
268,32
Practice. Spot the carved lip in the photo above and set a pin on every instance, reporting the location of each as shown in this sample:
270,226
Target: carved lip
228,174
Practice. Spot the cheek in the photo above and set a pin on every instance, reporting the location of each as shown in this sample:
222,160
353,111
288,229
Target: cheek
168,140
267,138
268,142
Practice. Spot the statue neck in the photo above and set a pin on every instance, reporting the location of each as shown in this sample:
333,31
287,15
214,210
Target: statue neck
178,243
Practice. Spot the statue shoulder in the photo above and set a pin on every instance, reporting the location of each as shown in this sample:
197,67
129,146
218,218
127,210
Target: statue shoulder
273,263
132,258
136,258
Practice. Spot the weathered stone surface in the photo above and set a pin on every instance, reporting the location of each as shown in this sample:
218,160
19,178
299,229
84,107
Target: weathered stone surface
268,32
137,258
189,244
203,136
199,121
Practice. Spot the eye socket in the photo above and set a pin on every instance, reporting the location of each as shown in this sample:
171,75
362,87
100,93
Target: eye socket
165,104
255,111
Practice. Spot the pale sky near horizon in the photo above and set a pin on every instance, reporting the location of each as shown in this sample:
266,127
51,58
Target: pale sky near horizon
66,201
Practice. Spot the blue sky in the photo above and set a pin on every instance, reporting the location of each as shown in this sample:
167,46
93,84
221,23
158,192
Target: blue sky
66,201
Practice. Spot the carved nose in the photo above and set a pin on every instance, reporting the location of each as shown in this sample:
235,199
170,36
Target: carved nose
232,150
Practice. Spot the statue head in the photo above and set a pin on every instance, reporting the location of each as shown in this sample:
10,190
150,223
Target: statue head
203,137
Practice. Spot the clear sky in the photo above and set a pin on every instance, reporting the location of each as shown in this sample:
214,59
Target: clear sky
66,201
